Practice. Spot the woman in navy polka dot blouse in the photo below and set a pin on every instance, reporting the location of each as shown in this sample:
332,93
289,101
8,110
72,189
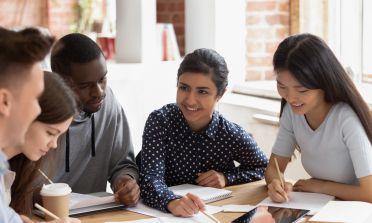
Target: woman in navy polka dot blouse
190,142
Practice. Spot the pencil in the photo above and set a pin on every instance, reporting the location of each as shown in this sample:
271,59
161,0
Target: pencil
280,177
46,211
210,216
45,176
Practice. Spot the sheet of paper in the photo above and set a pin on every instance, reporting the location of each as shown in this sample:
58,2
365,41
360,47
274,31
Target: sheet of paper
84,200
237,208
147,220
142,208
302,200
344,211
199,218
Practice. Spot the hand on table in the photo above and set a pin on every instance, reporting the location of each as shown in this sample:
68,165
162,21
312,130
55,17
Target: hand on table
276,191
212,178
128,191
277,212
310,185
186,206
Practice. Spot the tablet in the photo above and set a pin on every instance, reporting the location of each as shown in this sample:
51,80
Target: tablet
264,214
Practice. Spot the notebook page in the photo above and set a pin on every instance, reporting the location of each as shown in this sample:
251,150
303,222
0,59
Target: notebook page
84,200
344,211
302,200
142,208
199,218
207,194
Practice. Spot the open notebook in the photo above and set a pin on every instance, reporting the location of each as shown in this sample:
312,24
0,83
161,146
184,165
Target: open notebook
207,194
85,204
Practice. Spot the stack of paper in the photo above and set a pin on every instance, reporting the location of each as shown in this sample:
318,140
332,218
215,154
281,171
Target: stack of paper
301,200
344,211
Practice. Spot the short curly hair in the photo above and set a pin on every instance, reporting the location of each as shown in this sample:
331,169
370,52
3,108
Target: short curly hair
73,48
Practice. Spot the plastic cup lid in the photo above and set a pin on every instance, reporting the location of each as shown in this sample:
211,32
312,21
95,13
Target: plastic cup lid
57,189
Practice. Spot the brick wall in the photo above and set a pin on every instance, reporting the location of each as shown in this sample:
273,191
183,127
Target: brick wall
60,16
173,11
56,15
267,25
34,13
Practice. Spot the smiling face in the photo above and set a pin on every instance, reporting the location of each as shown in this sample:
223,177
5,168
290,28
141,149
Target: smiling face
302,100
90,81
40,137
196,97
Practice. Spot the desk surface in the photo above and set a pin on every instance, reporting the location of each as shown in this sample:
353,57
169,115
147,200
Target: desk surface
250,193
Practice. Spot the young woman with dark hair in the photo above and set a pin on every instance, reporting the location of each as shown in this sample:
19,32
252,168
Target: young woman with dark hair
190,142
58,105
324,116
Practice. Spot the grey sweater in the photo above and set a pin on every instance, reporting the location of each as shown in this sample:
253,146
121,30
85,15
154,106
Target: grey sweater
114,156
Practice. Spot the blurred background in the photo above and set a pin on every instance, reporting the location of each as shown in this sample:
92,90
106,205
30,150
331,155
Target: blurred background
144,42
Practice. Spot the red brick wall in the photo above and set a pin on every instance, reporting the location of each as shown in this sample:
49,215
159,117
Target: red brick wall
173,11
60,16
56,15
267,25
34,13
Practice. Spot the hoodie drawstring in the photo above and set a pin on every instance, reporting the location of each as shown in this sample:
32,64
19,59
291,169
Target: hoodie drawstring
92,138
93,142
68,151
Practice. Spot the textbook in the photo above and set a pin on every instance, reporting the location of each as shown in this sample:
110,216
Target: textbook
207,194
85,204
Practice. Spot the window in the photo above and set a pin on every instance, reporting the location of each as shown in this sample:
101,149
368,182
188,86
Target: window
346,26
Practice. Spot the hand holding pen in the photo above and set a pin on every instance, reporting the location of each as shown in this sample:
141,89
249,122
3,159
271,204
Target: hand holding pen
278,189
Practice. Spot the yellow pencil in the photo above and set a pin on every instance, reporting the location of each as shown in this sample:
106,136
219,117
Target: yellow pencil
280,177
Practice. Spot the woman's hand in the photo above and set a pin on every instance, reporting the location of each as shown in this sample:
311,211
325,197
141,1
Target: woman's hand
277,193
212,178
310,185
186,206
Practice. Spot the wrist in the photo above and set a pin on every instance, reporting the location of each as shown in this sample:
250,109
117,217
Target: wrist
171,204
122,180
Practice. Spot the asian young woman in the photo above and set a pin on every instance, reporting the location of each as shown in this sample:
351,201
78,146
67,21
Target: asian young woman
324,116
190,142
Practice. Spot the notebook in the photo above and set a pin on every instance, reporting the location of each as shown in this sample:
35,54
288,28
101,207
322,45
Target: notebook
302,200
207,194
85,204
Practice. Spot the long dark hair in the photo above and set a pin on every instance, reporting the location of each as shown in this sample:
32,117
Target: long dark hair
58,104
208,62
312,63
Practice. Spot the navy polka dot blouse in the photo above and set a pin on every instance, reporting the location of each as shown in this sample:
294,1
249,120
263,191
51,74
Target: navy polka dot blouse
172,154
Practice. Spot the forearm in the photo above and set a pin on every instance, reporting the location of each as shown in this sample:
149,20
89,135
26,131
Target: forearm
244,175
348,192
155,193
271,174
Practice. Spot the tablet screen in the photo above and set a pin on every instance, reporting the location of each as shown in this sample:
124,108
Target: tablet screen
264,214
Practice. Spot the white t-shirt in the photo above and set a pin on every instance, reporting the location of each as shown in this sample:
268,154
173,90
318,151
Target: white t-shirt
338,150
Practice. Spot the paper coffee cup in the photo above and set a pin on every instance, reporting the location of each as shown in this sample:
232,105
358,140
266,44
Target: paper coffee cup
56,199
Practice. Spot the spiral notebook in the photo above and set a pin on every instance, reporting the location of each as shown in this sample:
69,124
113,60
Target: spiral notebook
207,194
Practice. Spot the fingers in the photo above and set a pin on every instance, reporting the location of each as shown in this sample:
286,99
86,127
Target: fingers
287,212
206,177
26,219
129,198
288,187
198,201
276,191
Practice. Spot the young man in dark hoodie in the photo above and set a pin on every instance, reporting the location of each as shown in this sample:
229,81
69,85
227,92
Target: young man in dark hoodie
98,146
